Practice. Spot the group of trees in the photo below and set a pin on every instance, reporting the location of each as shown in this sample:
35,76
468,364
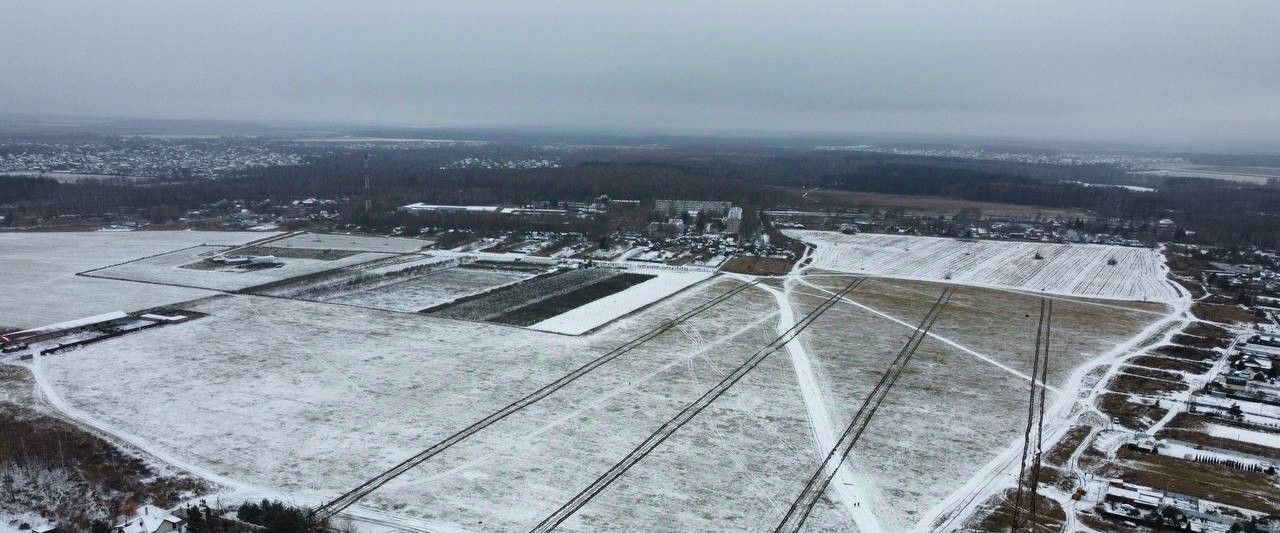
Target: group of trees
69,475
277,517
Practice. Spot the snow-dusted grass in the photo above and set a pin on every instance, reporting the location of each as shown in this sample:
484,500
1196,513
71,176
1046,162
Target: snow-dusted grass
361,243
599,312
956,406
420,292
39,271
169,269
1067,269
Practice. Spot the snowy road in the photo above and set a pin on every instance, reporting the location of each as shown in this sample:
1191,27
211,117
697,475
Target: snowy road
852,488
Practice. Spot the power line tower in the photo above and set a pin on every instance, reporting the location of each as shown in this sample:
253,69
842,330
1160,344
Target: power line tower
368,191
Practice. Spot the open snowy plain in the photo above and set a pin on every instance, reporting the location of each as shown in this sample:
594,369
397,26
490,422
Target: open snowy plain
39,270
1093,270
303,400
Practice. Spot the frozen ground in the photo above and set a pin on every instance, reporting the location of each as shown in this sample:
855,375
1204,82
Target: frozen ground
306,400
39,269
428,290
1067,269
362,243
169,269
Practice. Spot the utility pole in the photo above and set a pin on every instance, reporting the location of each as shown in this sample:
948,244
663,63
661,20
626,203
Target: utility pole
368,193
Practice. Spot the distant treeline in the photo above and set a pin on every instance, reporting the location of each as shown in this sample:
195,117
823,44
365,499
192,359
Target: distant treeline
1234,160
1222,212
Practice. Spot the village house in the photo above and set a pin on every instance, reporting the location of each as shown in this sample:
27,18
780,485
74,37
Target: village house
151,519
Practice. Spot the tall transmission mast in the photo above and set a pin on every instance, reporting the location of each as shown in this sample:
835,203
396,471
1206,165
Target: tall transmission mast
368,191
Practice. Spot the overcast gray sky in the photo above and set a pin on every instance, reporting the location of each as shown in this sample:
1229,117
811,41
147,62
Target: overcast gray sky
1109,70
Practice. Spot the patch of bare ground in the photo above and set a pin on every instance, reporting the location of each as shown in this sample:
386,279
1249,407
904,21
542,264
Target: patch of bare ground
1187,353
298,253
65,474
1195,437
1241,488
1092,460
1189,427
927,204
1059,478
1169,363
552,248
1145,386
1206,330
758,266
1098,523
1068,445
1133,415
1192,286
1094,375
1223,313
1151,373
996,515
1196,341
1186,265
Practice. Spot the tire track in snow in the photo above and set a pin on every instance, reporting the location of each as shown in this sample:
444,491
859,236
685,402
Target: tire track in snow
984,357
600,400
851,491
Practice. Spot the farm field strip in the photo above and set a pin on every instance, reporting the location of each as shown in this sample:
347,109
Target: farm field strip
503,301
420,292
1064,269
584,318
168,269
361,243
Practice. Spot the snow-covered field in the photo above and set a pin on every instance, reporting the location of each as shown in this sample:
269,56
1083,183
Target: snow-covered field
306,400
420,292
170,269
39,271
1244,435
361,243
962,399
600,312
1067,269
303,400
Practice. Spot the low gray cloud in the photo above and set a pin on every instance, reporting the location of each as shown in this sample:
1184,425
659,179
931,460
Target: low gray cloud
1133,71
